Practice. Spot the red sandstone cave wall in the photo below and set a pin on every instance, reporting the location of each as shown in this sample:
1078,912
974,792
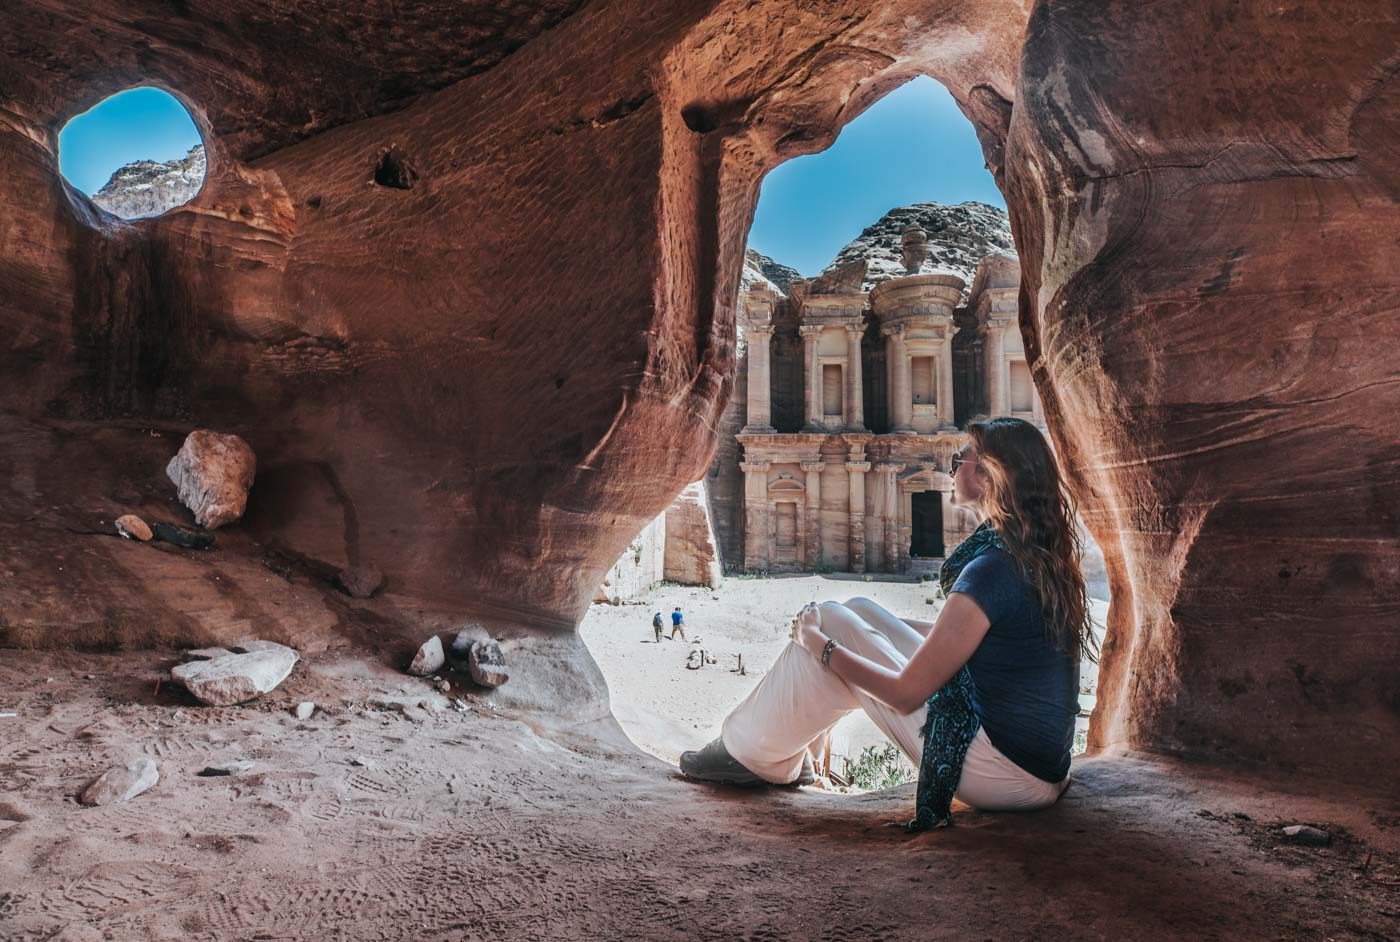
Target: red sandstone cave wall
1206,209
504,370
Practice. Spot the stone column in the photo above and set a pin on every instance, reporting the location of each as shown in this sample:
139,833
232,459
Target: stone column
889,515
760,381
996,374
813,513
945,382
855,473
756,523
813,371
855,402
902,396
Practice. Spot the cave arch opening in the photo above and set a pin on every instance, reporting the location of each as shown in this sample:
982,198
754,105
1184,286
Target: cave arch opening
906,177
136,154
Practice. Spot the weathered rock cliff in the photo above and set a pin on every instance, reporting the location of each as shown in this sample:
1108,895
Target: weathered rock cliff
150,187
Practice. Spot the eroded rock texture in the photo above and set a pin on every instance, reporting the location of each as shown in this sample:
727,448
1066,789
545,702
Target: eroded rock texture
1209,236
463,277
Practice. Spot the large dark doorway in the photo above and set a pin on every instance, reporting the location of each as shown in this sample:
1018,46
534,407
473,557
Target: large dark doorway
926,541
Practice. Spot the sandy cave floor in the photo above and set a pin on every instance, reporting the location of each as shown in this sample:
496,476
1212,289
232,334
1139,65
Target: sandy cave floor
479,825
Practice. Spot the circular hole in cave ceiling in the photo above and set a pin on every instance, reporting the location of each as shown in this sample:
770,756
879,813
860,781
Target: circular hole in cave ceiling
136,154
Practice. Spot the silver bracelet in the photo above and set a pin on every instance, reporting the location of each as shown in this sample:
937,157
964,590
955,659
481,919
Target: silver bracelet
826,652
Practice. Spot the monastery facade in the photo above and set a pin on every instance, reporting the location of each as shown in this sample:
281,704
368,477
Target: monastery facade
853,409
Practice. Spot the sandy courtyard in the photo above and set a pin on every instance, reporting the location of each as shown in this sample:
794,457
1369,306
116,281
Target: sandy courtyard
665,708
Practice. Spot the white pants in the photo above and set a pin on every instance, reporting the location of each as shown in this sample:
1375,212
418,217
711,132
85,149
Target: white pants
798,701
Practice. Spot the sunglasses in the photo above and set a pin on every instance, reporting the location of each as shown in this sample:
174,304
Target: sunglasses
957,461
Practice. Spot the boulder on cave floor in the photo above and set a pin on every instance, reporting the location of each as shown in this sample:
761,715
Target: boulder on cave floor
429,659
121,782
252,669
487,663
213,473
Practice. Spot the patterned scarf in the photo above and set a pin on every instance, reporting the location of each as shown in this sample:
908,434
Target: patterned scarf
952,721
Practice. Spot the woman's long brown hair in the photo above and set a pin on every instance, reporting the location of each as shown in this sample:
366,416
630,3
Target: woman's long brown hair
1025,498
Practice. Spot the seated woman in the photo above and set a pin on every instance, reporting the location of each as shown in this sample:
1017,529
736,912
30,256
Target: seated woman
983,700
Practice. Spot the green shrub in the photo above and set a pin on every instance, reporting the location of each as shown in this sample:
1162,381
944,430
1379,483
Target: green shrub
879,767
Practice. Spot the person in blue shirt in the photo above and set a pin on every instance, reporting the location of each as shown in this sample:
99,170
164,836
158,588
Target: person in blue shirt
999,667
677,623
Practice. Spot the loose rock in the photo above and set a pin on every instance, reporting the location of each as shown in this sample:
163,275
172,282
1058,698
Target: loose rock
133,528
305,709
462,644
213,473
179,536
487,663
362,762
429,658
1309,836
359,582
236,678
231,767
121,783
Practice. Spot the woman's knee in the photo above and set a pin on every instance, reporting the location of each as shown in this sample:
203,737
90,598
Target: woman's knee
840,622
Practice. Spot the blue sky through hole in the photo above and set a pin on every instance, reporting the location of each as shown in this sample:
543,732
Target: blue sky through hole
912,146
137,124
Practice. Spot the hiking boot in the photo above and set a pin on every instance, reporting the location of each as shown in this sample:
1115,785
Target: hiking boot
715,764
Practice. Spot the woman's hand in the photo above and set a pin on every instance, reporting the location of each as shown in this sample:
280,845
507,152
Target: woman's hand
807,629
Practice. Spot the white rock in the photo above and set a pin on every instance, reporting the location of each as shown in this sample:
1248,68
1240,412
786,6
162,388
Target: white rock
1304,834
305,709
121,783
231,767
213,473
236,678
487,664
462,644
362,762
429,658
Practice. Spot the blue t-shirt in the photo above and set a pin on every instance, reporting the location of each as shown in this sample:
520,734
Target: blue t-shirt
676,618
1027,692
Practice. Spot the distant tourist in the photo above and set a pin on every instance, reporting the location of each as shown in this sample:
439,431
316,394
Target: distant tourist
983,700
677,623
657,625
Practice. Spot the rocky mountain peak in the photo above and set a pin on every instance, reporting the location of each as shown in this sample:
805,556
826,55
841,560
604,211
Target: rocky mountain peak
959,236
148,187
762,272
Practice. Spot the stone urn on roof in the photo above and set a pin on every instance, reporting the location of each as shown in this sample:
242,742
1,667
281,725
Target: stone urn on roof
913,243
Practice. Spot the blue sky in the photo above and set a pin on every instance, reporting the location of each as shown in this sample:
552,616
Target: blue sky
912,146
137,124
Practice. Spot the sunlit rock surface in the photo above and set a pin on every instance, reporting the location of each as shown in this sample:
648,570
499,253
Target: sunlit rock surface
149,187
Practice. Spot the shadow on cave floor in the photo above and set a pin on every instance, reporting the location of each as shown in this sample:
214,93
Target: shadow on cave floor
471,825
